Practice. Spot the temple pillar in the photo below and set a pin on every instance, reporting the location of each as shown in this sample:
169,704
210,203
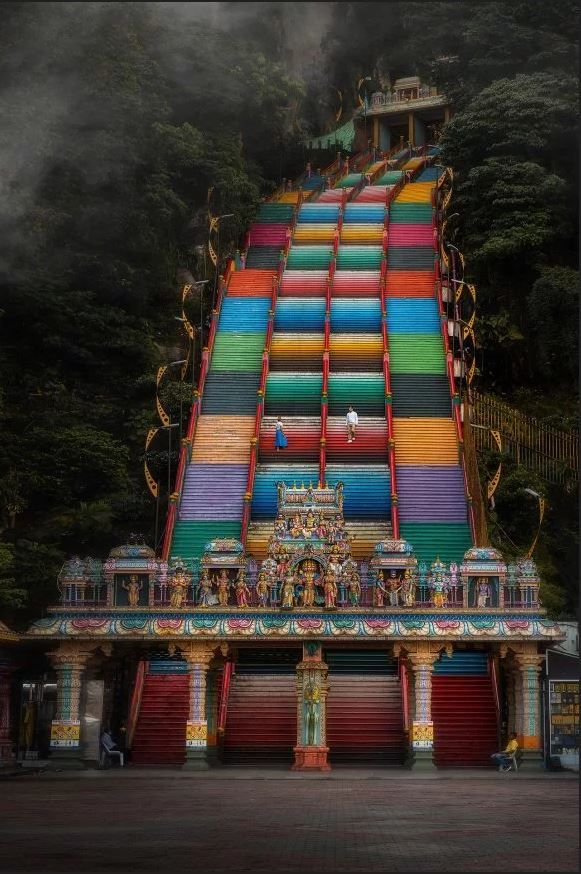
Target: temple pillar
527,707
311,750
69,662
198,657
421,657
6,743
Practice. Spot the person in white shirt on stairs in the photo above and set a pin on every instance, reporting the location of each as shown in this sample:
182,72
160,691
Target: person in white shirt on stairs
352,422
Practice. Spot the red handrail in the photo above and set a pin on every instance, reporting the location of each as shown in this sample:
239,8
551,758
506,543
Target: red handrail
224,692
135,704
194,415
404,695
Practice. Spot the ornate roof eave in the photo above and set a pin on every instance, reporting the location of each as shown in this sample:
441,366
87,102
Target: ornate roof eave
8,636
262,625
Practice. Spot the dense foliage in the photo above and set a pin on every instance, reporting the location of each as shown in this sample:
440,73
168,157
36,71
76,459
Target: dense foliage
116,120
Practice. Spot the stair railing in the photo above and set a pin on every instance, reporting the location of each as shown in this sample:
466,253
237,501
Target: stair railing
224,692
135,705
387,381
327,351
494,679
188,442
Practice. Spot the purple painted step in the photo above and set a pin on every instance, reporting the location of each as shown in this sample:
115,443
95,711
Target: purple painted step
431,493
213,491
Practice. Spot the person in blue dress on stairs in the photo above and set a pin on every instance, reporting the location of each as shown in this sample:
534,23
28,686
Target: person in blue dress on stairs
280,440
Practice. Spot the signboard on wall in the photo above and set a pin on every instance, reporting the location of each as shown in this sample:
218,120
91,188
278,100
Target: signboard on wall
564,720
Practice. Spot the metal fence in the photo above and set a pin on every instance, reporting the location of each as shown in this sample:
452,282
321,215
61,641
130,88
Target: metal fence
551,452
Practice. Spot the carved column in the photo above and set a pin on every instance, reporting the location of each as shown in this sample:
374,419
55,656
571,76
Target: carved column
421,660
69,662
528,705
311,750
6,742
198,657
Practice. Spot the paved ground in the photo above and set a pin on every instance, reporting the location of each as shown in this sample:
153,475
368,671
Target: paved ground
242,821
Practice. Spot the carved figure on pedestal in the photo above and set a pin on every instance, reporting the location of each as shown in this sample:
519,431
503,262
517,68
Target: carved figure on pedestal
408,588
394,587
287,595
205,589
280,526
309,588
379,591
354,583
133,588
262,589
178,588
483,592
241,589
223,588
330,589
438,584
310,525
312,713
296,526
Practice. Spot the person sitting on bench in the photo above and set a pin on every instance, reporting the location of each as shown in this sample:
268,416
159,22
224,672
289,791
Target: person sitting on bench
506,758
107,748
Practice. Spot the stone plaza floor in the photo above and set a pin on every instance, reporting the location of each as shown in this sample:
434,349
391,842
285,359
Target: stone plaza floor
98,822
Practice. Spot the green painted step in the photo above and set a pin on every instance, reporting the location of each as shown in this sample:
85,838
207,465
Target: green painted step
238,351
293,394
190,538
410,213
448,540
359,258
416,353
275,213
350,180
309,258
389,178
365,392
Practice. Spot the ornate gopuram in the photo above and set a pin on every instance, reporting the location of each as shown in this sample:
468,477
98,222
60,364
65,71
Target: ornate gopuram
308,658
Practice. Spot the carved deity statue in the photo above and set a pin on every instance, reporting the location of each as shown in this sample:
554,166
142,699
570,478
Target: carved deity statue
280,526
309,588
205,589
379,590
262,589
354,584
483,593
178,588
438,587
408,588
241,589
223,588
310,525
133,588
312,713
393,586
330,589
287,594
296,526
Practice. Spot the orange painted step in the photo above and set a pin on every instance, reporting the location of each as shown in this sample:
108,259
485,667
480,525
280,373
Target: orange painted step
223,439
409,283
251,283
425,441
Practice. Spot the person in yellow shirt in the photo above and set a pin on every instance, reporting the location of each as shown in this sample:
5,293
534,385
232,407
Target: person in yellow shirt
504,758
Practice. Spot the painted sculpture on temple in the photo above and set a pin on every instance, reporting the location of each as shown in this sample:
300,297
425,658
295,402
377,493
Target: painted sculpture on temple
309,592
262,589
330,590
393,587
133,589
437,584
483,592
354,587
312,713
223,584
408,588
379,591
241,589
179,584
205,595
288,592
